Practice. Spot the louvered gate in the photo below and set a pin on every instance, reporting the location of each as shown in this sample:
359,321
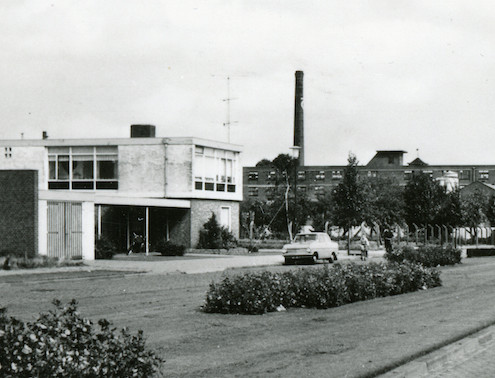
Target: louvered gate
64,229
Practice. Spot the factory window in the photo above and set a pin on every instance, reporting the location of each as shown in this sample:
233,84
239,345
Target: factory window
8,152
429,173
372,173
301,189
253,191
336,175
484,175
271,175
214,170
83,168
301,175
319,190
407,175
320,176
465,175
253,175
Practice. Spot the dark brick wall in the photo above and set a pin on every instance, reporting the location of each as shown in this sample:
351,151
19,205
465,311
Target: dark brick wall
201,211
19,212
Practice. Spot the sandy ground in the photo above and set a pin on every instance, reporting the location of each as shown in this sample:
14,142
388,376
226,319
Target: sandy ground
360,339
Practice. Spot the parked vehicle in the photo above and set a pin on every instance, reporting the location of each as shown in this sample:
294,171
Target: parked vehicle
311,246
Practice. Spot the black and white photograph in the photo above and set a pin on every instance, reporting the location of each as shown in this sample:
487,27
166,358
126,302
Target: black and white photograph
233,188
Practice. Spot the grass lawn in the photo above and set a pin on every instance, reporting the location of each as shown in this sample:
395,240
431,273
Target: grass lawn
354,340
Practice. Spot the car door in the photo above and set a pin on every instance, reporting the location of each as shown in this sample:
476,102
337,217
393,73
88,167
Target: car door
325,247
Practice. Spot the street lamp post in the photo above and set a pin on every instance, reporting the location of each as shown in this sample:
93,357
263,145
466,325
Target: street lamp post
295,156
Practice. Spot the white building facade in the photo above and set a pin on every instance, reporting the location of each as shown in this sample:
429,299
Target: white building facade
158,188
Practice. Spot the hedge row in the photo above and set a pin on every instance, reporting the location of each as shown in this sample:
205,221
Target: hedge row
63,344
260,292
429,255
13,262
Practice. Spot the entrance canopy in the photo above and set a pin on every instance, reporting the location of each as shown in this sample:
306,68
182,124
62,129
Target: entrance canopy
141,201
105,199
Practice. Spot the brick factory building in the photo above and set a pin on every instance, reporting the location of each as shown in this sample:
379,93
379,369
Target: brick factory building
316,180
85,189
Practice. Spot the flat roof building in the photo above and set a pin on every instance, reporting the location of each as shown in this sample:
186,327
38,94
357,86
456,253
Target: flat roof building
114,188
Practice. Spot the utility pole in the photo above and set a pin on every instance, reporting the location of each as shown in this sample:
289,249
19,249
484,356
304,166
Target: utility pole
227,100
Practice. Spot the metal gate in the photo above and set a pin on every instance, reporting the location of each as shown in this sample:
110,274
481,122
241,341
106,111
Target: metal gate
64,229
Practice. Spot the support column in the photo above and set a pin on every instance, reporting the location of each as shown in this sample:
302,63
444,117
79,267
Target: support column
147,227
99,222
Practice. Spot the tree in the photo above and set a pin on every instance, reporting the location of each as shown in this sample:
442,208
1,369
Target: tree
473,210
384,201
264,163
450,213
490,210
423,198
349,199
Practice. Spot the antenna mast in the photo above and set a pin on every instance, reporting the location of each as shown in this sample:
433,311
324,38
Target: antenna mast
227,100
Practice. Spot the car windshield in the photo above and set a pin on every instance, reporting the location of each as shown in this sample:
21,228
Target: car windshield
305,238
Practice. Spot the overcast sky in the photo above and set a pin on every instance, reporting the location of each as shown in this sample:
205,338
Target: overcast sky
377,74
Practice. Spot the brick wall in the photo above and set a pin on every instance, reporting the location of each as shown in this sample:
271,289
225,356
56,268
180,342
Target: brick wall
201,211
19,211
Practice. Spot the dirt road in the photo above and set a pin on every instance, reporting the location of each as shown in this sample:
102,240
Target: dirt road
359,339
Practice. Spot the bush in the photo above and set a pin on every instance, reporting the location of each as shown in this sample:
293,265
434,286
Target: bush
429,255
214,236
61,343
260,292
167,248
104,249
36,262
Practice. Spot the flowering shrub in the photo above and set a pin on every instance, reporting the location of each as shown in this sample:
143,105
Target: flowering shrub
257,293
428,255
61,343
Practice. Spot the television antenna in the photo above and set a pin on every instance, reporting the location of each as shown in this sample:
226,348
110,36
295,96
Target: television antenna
228,122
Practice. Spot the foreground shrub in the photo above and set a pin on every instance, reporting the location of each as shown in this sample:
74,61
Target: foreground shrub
260,292
11,262
61,343
428,255
167,248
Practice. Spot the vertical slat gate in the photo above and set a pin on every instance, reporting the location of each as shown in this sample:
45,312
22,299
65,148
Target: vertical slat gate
74,229
64,229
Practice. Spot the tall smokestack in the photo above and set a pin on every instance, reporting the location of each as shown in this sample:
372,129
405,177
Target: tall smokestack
299,116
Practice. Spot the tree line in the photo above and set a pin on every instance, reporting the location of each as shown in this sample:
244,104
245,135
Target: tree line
357,199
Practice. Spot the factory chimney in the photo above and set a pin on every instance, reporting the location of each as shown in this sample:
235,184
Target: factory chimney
299,116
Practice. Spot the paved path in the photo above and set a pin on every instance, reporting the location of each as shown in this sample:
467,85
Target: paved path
470,357
204,263
196,263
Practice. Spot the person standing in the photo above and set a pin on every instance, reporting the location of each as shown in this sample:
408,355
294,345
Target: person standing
364,247
388,235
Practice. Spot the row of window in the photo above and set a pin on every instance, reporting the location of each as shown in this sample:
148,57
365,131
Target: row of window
214,169
83,167
301,175
253,191
320,175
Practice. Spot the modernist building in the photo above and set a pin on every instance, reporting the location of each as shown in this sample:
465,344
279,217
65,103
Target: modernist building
259,182
159,188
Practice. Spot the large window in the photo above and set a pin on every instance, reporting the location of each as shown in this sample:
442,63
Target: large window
214,170
83,167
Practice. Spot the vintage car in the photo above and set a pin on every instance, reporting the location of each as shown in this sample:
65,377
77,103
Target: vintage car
311,246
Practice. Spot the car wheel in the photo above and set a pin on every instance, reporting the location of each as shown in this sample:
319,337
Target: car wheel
315,257
330,260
